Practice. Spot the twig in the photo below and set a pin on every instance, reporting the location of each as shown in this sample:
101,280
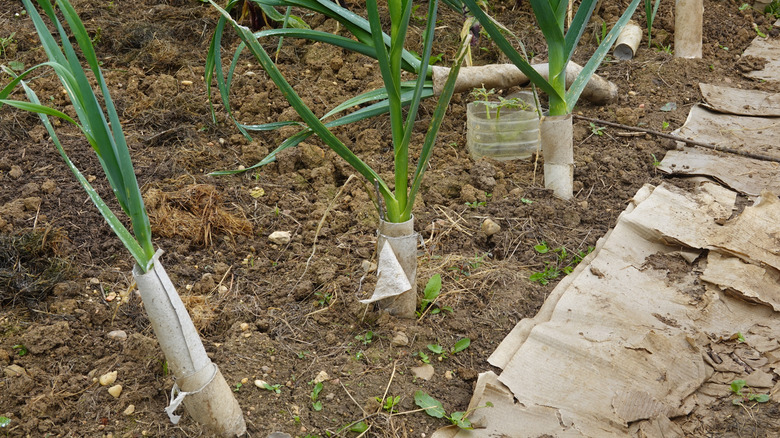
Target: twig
681,139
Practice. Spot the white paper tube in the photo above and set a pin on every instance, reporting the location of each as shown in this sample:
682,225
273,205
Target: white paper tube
502,76
558,153
688,28
628,41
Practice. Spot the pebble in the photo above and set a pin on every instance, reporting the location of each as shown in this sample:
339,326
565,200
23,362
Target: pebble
448,375
130,410
117,335
321,377
367,266
115,391
108,378
490,228
244,326
280,237
399,340
260,383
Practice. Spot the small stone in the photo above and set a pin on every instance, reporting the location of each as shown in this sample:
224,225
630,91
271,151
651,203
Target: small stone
367,266
186,82
94,280
244,326
424,372
399,340
245,380
111,296
14,371
115,391
448,375
108,378
280,237
117,335
261,383
490,228
321,377
130,410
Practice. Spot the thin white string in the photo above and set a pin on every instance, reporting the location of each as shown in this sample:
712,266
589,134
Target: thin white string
177,395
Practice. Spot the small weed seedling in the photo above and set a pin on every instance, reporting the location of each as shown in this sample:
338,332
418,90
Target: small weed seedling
390,403
432,291
564,263
481,95
20,349
476,204
5,43
656,163
238,387
738,386
366,338
665,125
315,394
423,357
596,130
666,49
273,388
434,408
459,346
323,299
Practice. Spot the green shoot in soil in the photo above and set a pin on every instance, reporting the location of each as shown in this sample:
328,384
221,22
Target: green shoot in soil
435,409
390,403
366,338
315,394
738,387
20,349
650,11
430,294
563,263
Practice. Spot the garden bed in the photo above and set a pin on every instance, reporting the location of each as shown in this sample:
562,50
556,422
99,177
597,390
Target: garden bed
284,312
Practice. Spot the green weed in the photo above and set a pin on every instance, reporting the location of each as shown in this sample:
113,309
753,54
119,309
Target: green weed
315,394
435,409
738,387
390,403
563,263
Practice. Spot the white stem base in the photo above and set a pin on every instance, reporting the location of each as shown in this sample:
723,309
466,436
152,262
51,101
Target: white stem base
403,241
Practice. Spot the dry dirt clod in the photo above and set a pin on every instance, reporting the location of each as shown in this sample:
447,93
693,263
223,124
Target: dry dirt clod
108,378
14,371
490,228
424,372
399,340
280,237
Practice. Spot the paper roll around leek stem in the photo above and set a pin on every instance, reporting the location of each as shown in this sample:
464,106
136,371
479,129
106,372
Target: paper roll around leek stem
688,28
211,401
628,41
402,239
558,152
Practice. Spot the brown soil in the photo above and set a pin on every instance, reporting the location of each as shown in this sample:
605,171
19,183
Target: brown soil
284,313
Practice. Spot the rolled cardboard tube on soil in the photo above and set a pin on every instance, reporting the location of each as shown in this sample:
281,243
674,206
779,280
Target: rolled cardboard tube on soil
628,41
211,401
403,241
688,16
502,76
558,154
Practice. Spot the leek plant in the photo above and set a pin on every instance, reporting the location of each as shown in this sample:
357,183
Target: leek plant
396,226
363,43
557,146
211,402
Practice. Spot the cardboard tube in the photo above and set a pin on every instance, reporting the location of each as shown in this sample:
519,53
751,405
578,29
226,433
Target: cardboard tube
403,241
688,28
502,76
558,152
628,41
209,399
